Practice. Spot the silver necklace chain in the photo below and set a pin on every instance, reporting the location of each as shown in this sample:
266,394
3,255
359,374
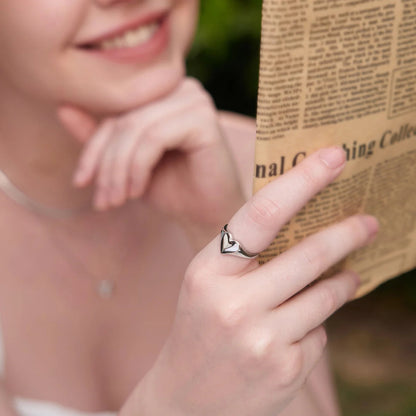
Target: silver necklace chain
105,287
14,193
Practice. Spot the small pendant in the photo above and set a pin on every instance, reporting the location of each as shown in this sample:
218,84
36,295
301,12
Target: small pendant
106,288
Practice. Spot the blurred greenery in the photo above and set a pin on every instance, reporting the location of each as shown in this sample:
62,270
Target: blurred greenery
225,54
225,57
373,351
395,399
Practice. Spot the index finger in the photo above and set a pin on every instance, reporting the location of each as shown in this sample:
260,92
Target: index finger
256,224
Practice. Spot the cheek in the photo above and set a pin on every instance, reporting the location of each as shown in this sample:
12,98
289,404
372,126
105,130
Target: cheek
33,33
39,24
186,22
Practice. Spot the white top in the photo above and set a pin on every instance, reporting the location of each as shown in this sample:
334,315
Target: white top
30,407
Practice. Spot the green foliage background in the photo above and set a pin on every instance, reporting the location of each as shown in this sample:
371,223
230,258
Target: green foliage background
225,54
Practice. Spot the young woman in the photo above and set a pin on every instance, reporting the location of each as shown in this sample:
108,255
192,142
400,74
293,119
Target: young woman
117,175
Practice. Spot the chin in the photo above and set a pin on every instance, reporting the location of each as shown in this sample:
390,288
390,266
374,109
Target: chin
113,98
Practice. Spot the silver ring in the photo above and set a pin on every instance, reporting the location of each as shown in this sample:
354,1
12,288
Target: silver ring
233,247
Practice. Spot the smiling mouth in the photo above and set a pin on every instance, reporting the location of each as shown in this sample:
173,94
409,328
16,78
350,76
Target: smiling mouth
130,38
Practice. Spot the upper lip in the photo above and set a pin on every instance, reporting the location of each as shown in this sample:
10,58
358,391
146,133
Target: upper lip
133,24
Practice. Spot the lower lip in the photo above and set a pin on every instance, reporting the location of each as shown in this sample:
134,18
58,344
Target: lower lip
144,52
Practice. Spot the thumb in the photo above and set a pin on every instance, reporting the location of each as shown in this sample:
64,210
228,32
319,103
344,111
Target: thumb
78,122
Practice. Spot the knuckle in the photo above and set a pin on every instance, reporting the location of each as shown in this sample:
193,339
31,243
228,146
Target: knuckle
258,349
230,315
291,367
193,83
209,102
194,282
191,286
202,95
205,109
262,210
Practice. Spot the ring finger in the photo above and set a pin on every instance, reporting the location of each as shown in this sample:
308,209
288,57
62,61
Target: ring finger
287,274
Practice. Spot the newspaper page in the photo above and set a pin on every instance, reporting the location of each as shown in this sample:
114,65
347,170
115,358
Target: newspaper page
343,72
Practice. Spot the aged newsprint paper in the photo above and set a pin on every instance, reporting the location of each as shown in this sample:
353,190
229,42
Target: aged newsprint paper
344,72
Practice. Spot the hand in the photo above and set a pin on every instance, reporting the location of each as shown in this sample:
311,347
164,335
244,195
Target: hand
171,153
245,337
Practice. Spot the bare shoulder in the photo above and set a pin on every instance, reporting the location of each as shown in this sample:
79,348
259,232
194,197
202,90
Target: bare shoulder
240,132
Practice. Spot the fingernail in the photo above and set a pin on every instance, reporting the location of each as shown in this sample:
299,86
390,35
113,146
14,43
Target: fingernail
333,157
372,226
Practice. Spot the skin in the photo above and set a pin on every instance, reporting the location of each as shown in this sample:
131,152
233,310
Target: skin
67,119
56,64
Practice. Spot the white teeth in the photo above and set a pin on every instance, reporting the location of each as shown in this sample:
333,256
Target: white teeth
131,38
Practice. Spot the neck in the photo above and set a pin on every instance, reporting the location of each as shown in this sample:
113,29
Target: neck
37,154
